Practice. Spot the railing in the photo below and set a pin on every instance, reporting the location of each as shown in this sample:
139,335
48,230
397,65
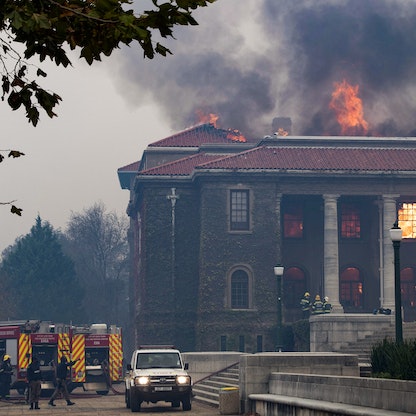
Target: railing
216,373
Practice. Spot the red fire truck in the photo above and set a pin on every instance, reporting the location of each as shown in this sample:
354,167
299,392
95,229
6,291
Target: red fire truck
96,348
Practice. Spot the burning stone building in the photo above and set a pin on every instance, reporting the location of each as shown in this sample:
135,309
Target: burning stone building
211,215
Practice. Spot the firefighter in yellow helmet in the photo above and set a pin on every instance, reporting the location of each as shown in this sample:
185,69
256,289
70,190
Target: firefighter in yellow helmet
317,306
305,305
6,371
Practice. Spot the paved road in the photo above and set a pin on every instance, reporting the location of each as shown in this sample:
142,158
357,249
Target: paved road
110,405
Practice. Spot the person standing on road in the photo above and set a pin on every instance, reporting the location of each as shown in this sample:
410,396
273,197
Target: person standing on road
6,371
61,387
34,377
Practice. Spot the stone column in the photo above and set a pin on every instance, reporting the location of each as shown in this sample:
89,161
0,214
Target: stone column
331,262
389,218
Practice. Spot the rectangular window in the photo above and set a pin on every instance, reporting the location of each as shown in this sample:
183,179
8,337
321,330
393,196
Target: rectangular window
259,343
241,343
239,210
350,221
239,290
407,219
293,221
223,341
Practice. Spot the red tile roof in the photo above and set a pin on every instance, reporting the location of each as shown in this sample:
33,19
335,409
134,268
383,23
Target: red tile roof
181,167
294,158
319,158
197,136
132,167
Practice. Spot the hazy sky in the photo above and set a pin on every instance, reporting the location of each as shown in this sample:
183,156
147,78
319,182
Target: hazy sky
248,61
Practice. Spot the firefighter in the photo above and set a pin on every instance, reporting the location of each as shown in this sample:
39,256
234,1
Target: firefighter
317,306
61,386
6,371
305,305
327,305
34,377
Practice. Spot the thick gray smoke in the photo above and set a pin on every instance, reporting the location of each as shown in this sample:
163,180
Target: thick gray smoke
253,60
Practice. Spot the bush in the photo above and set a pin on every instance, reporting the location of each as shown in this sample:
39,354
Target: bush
390,359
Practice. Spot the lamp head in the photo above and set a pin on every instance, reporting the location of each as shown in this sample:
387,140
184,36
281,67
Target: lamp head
396,233
279,270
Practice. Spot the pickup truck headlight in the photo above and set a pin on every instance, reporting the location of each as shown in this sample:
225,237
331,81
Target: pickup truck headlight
142,381
183,380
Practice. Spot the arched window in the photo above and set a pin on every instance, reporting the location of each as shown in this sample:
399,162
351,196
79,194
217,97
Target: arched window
351,288
294,286
239,289
408,287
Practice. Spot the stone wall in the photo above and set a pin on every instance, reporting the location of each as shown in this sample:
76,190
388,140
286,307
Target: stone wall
255,369
330,395
332,331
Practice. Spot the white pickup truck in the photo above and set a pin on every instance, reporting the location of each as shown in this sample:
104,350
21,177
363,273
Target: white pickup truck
157,374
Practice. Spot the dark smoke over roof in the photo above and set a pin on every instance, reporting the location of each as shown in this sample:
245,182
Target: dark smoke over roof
253,60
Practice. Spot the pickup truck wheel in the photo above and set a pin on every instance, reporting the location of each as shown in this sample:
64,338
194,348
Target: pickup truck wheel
176,403
135,403
186,403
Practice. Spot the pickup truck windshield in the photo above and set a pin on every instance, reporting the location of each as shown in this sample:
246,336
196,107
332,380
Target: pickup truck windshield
158,360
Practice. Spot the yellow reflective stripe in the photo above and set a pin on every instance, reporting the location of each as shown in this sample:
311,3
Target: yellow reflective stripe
115,356
24,349
78,352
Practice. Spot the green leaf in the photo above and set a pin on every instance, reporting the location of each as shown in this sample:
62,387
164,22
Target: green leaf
15,210
40,73
15,153
14,100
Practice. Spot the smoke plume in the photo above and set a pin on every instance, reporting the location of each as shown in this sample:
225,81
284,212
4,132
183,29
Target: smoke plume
254,60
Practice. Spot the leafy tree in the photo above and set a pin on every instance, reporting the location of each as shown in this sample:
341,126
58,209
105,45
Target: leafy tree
39,278
97,242
47,28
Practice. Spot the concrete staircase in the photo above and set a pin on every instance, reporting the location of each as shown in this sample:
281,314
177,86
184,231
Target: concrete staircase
363,347
207,390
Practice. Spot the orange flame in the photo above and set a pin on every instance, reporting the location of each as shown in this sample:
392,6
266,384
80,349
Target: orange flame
236,136
207,118
212,118
348,108
281,132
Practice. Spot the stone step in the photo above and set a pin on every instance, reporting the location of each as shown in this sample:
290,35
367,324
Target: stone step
207,391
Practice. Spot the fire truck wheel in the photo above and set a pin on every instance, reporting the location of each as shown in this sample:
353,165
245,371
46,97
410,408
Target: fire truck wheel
102,392
71,387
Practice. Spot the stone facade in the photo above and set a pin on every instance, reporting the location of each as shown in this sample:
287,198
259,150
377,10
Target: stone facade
185,255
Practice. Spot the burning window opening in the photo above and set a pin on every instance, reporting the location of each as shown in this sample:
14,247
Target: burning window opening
348,109
407,219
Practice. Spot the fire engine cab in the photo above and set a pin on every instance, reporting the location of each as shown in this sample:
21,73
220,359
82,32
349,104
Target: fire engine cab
96,348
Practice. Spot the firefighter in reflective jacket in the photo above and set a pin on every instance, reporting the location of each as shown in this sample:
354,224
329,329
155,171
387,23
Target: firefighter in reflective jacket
6,371
305,305
327,305
317,306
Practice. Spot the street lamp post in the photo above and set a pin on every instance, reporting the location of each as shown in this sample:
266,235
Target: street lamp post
396,237
278,271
